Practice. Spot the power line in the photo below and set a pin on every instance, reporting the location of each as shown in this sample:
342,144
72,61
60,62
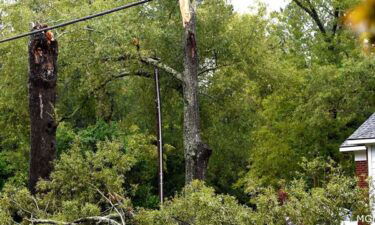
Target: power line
76,20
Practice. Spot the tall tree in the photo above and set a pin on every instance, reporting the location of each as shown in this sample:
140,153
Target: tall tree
196,152
43,51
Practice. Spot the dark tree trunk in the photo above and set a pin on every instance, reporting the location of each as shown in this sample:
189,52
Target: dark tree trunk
43,51
196,153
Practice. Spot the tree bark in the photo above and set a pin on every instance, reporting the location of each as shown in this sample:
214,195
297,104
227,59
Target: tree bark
196,152
43,52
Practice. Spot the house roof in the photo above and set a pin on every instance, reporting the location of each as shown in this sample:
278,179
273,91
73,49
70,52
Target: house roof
365,134
366,130
345,144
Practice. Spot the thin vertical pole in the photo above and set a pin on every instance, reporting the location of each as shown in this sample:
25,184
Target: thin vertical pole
159,133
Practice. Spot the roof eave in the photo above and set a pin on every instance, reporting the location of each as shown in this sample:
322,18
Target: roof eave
361,141
353,149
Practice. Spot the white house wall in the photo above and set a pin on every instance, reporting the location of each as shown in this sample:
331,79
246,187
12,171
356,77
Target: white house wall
360,156
371,173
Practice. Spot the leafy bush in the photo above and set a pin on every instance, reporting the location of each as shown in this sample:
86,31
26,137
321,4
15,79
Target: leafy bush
197,204
84,183
328,203
91,184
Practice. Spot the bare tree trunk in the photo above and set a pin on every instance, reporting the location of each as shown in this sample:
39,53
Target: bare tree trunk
196,153
43,51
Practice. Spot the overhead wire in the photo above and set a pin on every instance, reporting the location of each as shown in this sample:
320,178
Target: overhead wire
130,5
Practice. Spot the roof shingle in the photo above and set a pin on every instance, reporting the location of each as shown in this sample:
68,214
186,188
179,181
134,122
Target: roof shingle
366,130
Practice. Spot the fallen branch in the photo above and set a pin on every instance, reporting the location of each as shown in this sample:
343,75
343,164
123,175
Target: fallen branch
96,219
42,221
179,221
110,202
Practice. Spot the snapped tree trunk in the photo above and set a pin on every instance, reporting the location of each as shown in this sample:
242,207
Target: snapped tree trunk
43,52
197,153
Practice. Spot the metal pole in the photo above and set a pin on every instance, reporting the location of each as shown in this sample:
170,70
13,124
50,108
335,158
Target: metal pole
159,133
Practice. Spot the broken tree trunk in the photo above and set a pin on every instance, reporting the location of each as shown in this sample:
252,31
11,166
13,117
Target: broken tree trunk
197,153
43,52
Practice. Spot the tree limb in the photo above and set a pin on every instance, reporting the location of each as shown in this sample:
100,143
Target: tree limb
96,219
302,6
21,208
206,70
180,222
110,202
166,68
44,221
335,25
150,61
139,73
313,14
146,60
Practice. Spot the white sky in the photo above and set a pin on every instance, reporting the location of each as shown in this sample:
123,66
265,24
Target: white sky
242,6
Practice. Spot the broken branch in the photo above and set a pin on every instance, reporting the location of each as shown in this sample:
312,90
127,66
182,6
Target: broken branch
96,219
166,68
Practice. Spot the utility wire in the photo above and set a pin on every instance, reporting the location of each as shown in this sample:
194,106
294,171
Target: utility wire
77,20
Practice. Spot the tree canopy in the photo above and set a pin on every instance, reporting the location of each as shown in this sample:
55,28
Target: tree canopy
278,93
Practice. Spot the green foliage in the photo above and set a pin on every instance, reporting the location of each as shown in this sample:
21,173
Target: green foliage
277,97
83,180
336,198
311,119
329,203
197,204
102,168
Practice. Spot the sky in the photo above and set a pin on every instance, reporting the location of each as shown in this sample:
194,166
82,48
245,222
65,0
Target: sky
242,6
